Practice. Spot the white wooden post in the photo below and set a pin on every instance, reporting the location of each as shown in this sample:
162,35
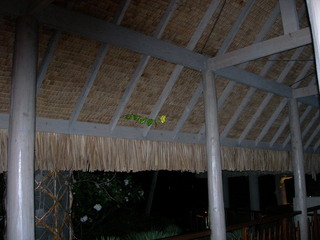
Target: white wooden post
215,189
314,9
298,168
20,182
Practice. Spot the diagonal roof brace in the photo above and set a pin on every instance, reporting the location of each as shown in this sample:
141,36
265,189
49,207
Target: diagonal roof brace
305,91
275,45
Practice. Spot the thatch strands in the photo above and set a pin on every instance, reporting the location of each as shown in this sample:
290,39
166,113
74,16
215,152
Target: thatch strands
88,153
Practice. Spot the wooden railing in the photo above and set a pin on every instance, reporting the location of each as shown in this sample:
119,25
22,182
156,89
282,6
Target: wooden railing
281,227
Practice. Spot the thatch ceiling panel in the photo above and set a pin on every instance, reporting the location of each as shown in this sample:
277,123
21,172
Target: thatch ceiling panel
109,86
231,104
247,114
219,26
179,97
6,50
144,16
148,89
196,118
253,24
61,87
105,10
184,22
264,117
276,125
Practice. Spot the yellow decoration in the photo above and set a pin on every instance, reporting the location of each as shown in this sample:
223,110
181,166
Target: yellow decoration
163,118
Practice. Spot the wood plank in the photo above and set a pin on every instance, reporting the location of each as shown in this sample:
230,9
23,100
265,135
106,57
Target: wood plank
289,16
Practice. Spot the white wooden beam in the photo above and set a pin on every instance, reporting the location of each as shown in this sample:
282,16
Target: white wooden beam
95,68
48,55
310,124
302,118
298,168
103,130
100,30
178,69
313,135
278,44
290,20
215,189
307,128
271,120
316,146
305,91
71,21
47,59
256,81
21,134
195,98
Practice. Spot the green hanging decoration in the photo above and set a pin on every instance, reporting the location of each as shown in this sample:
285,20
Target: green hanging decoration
144,120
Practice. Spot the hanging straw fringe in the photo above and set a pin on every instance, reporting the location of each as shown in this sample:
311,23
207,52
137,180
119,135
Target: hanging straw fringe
88,153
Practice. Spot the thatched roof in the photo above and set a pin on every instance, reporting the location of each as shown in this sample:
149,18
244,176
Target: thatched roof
102,59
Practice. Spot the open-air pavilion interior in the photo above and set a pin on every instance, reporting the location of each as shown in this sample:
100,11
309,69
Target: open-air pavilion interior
83,85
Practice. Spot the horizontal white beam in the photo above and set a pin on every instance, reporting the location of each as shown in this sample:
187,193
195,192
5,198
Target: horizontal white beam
102,130
275,45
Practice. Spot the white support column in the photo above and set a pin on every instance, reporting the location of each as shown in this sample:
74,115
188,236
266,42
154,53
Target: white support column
254,193
215,189
298,168
314,9
20,182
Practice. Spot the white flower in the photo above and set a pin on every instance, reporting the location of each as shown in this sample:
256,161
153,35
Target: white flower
126,182
84,218
127,199
97,207
141,193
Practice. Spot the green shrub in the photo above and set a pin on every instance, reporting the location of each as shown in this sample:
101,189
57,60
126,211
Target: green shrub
171,230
